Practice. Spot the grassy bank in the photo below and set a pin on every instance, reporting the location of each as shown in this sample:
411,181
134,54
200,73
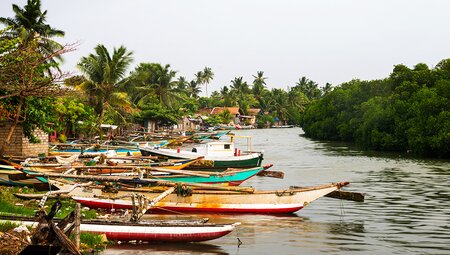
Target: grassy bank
10,205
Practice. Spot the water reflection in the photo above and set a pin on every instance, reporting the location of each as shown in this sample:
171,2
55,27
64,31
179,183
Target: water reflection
175,248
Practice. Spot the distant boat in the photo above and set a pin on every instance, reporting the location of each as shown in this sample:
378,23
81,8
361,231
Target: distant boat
283,126
147,231
217,155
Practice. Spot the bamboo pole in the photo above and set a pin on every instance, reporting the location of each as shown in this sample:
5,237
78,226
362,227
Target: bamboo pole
147,168
77,225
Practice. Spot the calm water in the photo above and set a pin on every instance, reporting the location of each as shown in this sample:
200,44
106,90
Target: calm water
407,207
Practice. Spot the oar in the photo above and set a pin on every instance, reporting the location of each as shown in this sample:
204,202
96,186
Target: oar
182,172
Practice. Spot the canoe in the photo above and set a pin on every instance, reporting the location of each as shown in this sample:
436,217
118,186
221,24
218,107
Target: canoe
216,155
147,231
11,176
208,201
230,177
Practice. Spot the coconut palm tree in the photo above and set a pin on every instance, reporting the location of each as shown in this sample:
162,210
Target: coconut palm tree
182,85
309,88
208,75
103,72
163,84
193,89
204,77
29,23
259,87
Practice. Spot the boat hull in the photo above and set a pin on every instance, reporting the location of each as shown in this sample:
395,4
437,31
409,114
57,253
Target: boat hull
251,160
231,179
147,232
159,233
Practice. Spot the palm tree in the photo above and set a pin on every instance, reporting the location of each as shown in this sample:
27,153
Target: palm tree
279,103
182,85
193,89
259,87
208,75
103,73
163,84
204,77
327,88
309,88
29,24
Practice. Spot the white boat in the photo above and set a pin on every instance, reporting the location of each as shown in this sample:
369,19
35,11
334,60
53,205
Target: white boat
216,155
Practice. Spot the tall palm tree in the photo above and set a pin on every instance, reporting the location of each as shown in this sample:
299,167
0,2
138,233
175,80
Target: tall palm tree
103,72
29,24
259,87
163,84
208,75
204,77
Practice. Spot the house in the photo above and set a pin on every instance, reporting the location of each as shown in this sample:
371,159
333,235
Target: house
189,123
250,119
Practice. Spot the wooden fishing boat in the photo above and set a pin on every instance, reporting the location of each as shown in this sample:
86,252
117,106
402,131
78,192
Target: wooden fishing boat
216,155
147,231
207,201
11,176
231,177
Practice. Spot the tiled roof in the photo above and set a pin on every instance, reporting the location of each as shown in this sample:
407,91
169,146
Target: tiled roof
253,111
218,110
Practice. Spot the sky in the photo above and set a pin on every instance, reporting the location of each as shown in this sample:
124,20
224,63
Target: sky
323,40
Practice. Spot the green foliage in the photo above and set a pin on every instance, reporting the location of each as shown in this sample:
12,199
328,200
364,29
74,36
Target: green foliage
91,242
264,121
7,226
407,112
158,113
226,116
8,202
73,116
213,120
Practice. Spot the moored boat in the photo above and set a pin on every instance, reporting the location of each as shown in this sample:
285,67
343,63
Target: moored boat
147,231
216,155
209,201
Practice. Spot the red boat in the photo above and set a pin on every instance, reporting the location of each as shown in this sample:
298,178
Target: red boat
151,231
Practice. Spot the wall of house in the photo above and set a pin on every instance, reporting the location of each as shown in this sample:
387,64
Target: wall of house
19,144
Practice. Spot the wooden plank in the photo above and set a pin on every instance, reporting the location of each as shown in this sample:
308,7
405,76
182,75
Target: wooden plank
346,195
273,174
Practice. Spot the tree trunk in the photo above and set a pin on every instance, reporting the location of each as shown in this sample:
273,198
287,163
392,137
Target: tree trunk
13,127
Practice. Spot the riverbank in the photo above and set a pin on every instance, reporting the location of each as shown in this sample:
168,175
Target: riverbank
14,237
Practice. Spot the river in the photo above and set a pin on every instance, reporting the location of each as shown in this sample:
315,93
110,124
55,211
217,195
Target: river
407,207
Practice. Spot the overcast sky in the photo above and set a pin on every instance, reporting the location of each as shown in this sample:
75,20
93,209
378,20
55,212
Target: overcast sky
326,41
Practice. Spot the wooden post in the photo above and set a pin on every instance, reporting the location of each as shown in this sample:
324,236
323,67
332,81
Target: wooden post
77,225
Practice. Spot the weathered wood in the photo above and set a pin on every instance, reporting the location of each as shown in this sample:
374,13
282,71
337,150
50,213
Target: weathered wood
144,181
273,174
346,195
77,225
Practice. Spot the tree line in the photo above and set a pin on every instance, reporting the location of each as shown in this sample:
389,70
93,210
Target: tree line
409,111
